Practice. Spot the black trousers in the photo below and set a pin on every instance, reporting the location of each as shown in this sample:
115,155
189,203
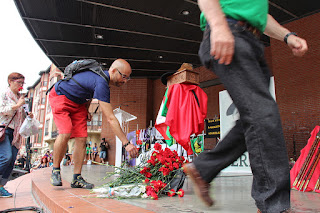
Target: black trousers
259,129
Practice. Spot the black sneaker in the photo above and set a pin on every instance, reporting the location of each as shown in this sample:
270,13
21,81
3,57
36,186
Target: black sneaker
81,183
56,178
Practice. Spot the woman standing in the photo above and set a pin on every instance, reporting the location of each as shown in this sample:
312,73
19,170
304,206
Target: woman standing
10,107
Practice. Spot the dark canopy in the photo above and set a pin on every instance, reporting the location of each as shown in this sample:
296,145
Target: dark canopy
155,36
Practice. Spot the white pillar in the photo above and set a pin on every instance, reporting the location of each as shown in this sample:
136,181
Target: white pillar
118,143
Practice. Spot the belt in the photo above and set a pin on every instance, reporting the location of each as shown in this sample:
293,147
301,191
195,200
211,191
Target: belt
255,31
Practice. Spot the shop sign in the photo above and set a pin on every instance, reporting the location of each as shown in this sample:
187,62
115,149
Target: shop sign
213,128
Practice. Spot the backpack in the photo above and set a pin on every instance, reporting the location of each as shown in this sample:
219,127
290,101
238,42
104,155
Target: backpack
78,66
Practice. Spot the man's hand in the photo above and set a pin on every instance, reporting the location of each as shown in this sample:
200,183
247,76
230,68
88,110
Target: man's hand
298,45
89,116
222,44
133,151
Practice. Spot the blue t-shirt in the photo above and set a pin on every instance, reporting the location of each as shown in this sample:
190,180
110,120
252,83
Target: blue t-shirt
93,86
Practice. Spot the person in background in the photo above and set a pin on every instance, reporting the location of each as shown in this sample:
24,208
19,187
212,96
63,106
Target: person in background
66,160
42,164
37,161
88,152
291,163
70,102
94,152
232,49
103,150
50,162
21,161
11,109
47,154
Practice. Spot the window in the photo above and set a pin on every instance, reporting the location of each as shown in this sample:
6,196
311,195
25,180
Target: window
42,115
43,100
48,108
95,119
46,128
40,136
45,83
51,81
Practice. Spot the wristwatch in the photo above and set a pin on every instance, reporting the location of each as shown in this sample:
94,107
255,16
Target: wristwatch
289,34
124,146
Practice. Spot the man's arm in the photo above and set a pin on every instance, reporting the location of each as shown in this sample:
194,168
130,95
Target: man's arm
89,116
114,123
221,38
273,29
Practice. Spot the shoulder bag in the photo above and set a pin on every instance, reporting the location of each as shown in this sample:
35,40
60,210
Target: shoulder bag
3,129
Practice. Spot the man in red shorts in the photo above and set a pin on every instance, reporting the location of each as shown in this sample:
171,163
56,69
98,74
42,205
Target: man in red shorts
70,102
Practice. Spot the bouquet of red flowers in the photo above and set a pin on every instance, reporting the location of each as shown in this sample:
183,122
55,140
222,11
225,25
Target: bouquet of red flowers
161,173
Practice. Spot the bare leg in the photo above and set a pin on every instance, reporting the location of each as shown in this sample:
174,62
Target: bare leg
79,154
60,148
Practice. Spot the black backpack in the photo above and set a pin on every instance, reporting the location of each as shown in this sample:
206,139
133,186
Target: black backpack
78,66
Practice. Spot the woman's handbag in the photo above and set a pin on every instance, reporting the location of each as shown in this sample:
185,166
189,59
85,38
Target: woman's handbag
3,129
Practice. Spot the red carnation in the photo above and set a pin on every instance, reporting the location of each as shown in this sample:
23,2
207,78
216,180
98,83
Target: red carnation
154,196
148,174
180,192
176,165
165,171
157,146
171,193
146,180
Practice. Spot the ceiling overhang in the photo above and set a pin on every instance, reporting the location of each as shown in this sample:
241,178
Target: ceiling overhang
153,36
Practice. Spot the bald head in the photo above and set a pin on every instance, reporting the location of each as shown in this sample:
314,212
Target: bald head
122,65
120,71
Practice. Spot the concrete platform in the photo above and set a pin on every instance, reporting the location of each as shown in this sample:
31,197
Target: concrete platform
231,193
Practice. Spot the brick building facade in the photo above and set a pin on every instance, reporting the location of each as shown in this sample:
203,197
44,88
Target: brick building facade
296,85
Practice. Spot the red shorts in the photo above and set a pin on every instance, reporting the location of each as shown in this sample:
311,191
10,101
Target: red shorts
69,116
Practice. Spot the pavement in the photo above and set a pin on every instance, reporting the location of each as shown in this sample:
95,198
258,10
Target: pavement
232,194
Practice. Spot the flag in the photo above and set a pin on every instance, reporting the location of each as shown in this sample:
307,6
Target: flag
160,124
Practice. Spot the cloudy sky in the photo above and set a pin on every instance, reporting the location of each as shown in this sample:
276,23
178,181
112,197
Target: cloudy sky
18,51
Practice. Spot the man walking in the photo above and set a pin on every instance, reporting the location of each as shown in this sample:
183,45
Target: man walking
70,101
231,48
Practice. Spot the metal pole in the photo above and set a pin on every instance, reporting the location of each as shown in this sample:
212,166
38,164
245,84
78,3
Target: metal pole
28,144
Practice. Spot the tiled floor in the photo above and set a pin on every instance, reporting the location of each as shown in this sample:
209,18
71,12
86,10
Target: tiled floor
231,193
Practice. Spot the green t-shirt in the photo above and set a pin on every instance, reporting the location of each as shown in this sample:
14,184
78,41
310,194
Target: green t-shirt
253,11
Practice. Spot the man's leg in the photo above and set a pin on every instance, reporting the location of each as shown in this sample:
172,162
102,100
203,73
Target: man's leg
78,154
225,153
60,148
208,164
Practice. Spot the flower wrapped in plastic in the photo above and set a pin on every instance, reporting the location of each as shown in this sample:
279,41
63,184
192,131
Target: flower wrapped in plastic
160,172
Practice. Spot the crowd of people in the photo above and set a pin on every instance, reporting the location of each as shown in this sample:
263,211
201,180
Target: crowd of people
46,159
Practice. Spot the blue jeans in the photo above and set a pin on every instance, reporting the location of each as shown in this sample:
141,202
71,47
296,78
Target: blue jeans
259,129
8,154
